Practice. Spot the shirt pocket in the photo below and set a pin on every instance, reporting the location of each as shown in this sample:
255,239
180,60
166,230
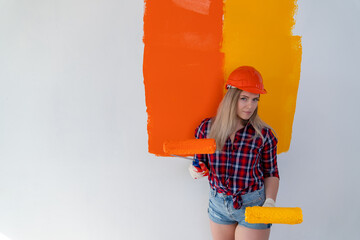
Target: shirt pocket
251,149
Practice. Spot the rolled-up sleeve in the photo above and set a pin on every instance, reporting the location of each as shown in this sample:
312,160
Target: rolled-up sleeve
269,156
200,134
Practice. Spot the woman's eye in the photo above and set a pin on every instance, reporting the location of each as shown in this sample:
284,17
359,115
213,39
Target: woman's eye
256,100
244,99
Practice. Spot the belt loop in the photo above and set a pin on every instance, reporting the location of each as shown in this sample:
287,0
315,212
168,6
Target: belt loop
240,201
212,192
262,192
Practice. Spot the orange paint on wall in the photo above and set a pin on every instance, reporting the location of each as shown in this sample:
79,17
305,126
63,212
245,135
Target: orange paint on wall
190,50
182,67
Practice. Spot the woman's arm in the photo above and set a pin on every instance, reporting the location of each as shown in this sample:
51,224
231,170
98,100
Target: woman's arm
271,187
269,165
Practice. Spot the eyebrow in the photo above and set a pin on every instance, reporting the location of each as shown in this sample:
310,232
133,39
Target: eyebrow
248,96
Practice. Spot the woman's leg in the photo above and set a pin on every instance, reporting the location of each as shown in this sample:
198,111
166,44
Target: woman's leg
244,233
222,231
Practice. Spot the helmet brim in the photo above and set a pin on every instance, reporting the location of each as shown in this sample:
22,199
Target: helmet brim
252,90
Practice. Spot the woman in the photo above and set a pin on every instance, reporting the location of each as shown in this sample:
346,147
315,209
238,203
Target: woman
243,171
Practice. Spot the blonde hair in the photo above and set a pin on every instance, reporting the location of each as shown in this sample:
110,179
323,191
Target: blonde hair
226,119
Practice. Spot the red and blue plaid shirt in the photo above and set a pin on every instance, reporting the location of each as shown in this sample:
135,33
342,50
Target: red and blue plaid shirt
241,166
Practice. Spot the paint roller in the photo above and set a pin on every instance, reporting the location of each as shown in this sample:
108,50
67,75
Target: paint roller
280,215
189,147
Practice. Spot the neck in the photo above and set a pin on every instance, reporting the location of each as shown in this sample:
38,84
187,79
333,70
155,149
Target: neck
241,123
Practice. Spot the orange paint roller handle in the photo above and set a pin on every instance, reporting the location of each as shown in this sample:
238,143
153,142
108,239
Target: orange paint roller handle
190,147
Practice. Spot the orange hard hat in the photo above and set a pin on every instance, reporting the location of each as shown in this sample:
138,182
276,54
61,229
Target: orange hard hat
247,79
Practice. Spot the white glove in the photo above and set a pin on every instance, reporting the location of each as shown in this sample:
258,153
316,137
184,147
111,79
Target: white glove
197,173
269,202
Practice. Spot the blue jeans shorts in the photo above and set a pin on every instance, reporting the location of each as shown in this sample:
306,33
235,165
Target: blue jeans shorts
222,211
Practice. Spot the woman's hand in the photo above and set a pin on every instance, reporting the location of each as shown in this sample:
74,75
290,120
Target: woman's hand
269,202
197,172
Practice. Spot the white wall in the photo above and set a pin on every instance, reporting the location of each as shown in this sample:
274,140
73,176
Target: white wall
73,138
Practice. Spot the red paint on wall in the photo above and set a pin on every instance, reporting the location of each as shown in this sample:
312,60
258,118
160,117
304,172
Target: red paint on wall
182,67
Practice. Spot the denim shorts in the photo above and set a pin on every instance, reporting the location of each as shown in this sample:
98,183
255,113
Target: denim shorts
222,211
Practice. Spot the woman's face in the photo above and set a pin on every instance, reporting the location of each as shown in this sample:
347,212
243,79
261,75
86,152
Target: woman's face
247,104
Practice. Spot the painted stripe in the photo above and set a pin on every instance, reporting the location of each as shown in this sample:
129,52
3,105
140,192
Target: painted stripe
259,34
182,67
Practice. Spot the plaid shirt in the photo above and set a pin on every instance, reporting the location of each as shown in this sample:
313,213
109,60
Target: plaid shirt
240,167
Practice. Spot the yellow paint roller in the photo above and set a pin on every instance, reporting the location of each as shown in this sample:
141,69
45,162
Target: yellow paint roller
281,215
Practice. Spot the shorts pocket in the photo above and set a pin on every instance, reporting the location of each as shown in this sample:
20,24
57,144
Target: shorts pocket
257,199
215,202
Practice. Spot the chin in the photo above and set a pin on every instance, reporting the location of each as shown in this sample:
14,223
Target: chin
244,118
